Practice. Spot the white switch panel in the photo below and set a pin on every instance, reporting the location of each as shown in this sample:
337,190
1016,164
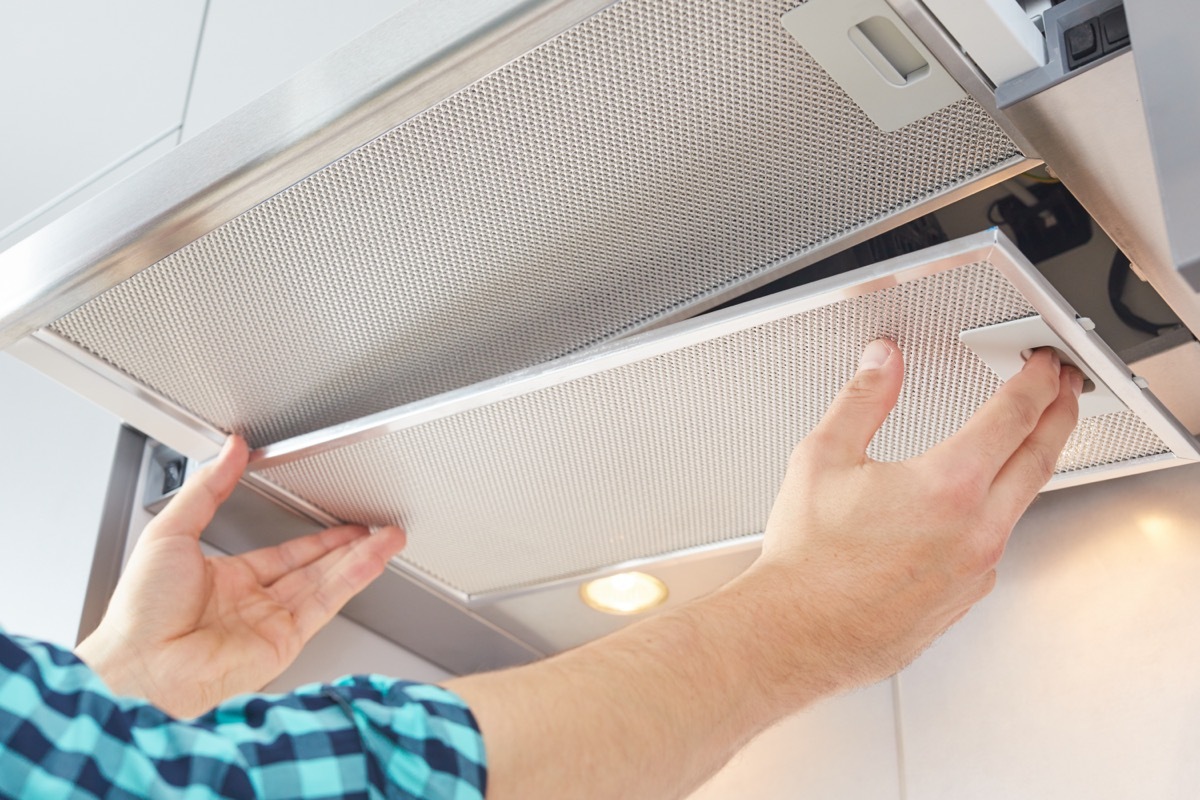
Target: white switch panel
1004,347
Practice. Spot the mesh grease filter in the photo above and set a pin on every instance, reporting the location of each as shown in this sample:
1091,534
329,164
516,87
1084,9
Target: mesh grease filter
650,156
679,449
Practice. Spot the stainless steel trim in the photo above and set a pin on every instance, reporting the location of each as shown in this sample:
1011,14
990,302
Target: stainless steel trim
348,98
836,244
946,49
739,544
108,387
1109,167
109,554
636,348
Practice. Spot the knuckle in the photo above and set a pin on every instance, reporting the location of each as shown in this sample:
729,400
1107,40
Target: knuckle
988,553
863,387
804,452
809,449
960,490
1043,463
984,586
1024,412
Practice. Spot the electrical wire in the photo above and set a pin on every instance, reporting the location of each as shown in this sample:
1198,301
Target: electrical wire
1118,278
1039,178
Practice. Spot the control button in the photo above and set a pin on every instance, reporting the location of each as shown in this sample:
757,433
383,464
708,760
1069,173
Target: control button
173,474
1082,44
1114,28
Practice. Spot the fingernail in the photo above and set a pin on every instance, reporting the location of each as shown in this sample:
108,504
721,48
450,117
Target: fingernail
875,355
1076,382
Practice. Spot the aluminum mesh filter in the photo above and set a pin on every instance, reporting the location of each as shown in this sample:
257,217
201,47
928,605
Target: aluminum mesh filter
651,155
681,449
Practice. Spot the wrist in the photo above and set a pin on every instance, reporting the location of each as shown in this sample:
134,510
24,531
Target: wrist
116,663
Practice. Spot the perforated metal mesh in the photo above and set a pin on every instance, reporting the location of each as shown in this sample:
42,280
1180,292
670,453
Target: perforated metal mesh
649,156
678,450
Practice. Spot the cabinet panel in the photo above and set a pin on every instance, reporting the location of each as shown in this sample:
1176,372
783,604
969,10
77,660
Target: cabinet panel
85,86
250,48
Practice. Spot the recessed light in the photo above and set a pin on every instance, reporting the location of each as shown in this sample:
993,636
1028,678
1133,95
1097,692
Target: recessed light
624,593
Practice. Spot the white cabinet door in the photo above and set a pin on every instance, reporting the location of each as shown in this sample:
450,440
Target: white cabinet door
85,86
251,47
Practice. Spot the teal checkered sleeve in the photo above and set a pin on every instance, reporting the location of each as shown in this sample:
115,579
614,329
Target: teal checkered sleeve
64,734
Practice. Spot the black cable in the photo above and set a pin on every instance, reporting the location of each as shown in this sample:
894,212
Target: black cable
991,210
1118,277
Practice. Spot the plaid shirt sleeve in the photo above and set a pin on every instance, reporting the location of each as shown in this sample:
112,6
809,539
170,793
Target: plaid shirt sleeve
64,734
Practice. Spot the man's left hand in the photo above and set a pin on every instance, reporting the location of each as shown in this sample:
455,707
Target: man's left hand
186,631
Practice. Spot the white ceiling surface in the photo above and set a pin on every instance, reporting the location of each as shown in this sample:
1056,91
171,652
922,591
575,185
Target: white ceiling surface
1077,676
89,88
251,47
56,450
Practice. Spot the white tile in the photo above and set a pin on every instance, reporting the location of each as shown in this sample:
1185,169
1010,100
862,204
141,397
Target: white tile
1077,677
57,455
841,749
250,48
85,85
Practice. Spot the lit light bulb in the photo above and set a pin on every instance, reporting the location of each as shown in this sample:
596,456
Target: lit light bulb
624,593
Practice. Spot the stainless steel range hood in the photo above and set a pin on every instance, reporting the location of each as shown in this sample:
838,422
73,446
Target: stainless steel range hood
418,220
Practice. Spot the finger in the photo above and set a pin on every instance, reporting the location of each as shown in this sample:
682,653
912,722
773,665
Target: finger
862,405
317,592
190,511
269,564
1032,465
994,433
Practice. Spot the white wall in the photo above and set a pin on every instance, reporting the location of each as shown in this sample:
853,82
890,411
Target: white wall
56,450
1076,678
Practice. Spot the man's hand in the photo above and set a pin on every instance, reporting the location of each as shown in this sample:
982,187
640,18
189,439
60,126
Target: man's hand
874,560
864,564
186,631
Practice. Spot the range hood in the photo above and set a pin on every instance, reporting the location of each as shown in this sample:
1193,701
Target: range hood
419,273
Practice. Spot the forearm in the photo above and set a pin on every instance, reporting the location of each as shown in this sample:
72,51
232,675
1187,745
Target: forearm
648,712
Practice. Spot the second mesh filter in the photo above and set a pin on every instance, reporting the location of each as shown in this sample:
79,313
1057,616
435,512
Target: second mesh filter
679,438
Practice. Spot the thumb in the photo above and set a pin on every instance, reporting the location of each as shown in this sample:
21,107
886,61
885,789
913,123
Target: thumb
863,404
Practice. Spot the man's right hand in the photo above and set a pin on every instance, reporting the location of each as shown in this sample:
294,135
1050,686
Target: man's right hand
874,560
